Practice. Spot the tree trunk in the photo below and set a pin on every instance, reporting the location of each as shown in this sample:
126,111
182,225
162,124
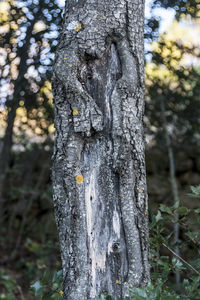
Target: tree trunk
12,106
99,178
174,185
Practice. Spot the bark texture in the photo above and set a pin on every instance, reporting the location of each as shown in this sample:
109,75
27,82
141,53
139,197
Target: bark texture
99,175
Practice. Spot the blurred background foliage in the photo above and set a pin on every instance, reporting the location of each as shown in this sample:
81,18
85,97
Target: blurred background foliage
29,250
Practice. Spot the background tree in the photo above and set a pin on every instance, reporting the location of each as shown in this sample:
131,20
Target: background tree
172,85
27,45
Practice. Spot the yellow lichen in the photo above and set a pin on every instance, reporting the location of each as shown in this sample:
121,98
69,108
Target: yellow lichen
117,281
75,112
140,191
79,178
78,27
61,293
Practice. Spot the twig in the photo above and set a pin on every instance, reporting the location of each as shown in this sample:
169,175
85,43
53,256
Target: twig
185,262
20,291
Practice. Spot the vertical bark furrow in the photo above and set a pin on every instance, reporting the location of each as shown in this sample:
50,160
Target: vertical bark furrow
99,172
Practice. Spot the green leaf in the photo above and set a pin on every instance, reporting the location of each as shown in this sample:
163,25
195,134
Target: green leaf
142,293
177,263
186,282
195,190
165,209
194,196
158,216
193,235
57,276
37,287
139,293
176,205
46,278
182,211
46,296
103,296
55,296
59,273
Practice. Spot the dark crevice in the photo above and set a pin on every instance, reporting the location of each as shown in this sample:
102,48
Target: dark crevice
115,76
106,68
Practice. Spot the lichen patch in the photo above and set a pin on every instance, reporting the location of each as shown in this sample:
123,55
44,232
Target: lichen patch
73,25
78,27
79,178
75,112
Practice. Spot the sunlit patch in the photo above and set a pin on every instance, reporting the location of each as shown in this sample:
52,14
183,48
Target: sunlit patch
51,128
39,26
79,178
24,119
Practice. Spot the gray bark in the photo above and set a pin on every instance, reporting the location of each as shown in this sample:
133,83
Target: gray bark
99,180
